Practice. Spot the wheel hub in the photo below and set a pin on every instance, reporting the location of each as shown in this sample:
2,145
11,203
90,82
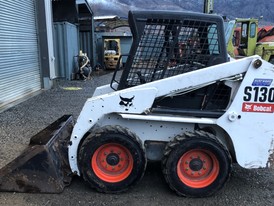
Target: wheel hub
113,159
112,162
198,168
196,164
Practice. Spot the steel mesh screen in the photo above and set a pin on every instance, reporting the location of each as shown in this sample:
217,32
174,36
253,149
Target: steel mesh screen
219,97
170,47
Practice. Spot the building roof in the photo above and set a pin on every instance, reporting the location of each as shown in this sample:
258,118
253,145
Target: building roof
110,22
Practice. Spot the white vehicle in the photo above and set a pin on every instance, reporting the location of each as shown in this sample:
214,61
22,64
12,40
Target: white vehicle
179,101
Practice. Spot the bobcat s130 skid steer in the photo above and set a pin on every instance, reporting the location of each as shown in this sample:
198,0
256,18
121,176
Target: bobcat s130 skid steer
179,100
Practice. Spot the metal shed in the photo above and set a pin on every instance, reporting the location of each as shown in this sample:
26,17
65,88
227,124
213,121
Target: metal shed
66,48
19,50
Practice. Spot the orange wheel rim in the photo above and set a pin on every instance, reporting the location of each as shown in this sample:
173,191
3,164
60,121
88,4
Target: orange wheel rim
112,162
198,168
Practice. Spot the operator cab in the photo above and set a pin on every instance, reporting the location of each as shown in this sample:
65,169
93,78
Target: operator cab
166,44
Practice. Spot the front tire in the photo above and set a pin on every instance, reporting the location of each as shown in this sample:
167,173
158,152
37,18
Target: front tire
112,159
196,164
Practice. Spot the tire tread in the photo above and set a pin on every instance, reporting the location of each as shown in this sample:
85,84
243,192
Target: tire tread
114,129
177,141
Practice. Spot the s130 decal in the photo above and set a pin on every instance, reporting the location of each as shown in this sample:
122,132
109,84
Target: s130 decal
258,94
259,97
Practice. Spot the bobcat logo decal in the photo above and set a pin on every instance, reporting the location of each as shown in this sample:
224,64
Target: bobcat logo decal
127,102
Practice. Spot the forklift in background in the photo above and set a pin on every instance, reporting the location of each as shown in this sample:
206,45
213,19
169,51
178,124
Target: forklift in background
248,39
244,37
112,52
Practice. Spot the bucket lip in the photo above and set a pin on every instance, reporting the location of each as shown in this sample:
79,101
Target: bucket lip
49,134
43,166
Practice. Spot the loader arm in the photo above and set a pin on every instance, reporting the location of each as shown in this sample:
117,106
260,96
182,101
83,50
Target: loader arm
141,98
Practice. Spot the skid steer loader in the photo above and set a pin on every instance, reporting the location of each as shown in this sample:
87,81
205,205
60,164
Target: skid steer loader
179,100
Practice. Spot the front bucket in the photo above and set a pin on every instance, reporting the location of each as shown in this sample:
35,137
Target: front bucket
43,166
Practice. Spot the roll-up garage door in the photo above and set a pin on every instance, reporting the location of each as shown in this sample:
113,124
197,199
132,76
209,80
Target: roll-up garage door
19,54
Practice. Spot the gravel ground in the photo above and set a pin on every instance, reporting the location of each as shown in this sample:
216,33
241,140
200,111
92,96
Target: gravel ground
19,123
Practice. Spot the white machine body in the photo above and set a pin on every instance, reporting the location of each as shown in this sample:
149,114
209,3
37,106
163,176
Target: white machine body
245,127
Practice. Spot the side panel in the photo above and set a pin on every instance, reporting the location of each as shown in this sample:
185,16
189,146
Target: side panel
139,99
103,90
249,119
150,129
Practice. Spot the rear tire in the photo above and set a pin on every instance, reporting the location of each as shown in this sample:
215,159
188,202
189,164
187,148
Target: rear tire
112,159
196,164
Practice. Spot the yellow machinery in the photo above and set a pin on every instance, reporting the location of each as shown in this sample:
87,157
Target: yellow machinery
112,52
247,39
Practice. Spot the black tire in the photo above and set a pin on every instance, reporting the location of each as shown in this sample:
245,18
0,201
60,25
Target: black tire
196,164
112,159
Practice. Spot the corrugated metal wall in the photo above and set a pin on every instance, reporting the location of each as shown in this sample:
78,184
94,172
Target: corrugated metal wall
19,54
85,43
66,47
